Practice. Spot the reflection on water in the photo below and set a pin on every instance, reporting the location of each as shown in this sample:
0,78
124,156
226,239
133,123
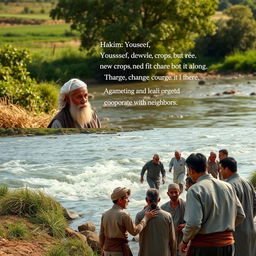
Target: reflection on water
198,105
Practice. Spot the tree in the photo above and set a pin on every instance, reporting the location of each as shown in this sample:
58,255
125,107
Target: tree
235,33
169,25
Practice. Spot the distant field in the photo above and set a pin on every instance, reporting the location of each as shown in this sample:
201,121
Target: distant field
26,7
25,16
34,36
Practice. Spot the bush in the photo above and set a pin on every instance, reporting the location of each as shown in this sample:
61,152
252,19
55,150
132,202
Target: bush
17,86
238,62
71,247
49,94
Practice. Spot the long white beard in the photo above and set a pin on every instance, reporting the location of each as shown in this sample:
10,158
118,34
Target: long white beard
82,115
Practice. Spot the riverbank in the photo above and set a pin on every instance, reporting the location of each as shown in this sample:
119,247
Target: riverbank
32,223
23,132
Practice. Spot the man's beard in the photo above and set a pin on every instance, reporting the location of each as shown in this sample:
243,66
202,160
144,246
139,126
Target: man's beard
82,115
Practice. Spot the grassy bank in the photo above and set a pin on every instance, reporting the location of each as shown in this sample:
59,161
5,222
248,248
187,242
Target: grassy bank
63,131
32,222
238,62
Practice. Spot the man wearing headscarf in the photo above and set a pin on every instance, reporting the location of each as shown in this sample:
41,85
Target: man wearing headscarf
116,224
75,109
158,237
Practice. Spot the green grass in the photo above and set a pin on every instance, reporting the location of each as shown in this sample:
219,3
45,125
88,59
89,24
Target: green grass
72,247
3,190
37,206
253,179
32,16
34,36
17,231
238,62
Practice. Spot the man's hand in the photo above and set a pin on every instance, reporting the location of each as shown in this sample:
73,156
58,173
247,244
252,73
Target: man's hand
151,214
170,170
180,227
141,180
183,247
163,180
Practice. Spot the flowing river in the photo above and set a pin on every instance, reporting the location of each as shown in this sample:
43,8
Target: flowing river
195,105
80,171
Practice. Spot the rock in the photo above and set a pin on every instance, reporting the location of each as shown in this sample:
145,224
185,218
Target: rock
90,96
92,240
201,82
70,215
217,94
87,226
229,92
72,233
252,93
106,119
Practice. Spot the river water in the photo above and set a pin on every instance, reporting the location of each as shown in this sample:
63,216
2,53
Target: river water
80,171
196,105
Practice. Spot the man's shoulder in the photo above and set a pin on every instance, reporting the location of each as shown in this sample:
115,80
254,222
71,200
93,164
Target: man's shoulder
164,214
165,205
182,202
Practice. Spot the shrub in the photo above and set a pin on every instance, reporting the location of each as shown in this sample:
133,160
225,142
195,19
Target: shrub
71,247
17,86
238,62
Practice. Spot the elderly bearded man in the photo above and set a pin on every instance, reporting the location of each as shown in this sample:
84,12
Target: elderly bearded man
75,109
116,223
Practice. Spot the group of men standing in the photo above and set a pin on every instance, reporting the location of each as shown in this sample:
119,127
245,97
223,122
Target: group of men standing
216,219
155,167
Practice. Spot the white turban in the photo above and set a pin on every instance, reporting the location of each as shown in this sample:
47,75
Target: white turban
68,87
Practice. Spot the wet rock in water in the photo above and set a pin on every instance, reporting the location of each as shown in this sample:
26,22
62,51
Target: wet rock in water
252,93
72,233
229,92
217,94
105,119
87,226
70,215
201,82
92,240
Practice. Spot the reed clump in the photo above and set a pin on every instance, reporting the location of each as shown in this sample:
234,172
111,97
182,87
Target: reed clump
253,179
36,206
15,116
74,247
